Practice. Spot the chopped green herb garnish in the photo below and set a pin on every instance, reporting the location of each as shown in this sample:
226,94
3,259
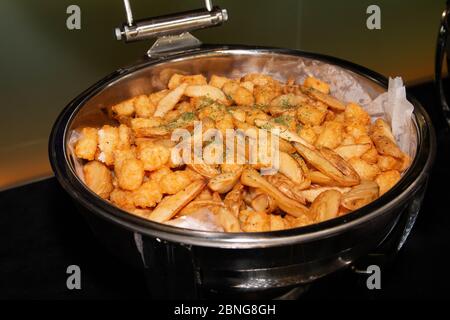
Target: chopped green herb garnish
285,103
283,120
187,116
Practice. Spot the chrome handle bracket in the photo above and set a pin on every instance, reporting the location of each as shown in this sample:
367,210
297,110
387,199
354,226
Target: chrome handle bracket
171,31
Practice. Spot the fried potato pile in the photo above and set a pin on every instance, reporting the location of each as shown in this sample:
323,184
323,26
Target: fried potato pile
332,158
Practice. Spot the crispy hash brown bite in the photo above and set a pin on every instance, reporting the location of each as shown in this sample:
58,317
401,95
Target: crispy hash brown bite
311,115
86,146
314,83
153,156
108,138
130,174
332,158
98,178
147,195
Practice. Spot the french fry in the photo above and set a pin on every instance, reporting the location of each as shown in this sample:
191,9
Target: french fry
196,91
171,205
282,132
252,178
360,195
331,164
170,100
290,168
311,194
224,182
326,205
325,98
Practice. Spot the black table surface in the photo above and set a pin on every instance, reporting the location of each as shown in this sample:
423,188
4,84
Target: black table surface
41,234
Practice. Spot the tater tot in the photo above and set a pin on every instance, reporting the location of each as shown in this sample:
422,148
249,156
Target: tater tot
218,81
354,113
259,79
239,94
139,123
331,136
158,174
108,138
153,156
125,108
243,97
147,195
122,198
98,178
130,174
315,83
386,180
310,115
277,223
386,163
357,130
177,79
155,97
248,85
308,134
256,221
173,182
86,146
297,222
370,156
265,94
120,155
365,170
144,107
125,137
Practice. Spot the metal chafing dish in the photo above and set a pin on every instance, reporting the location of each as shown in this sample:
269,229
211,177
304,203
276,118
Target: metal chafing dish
181,263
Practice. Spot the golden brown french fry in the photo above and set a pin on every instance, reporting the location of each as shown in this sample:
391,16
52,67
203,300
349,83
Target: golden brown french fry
196,205
224,182
288,187
290,168
318,177
360,195
196,91
228,220
311,194
282,132
171,205
170,100
324,98
331,164
251,178
206,170
234,199
326,205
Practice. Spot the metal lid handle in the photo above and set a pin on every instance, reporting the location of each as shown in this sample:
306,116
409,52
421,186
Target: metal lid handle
172,31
